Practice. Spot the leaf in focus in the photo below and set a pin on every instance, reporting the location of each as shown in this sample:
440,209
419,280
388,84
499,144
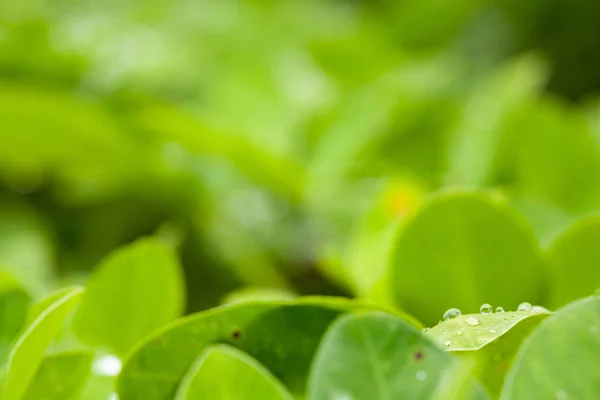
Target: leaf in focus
28,353
135,290
225,373
574,260
280,334
490,342
60,376
559,360
462,250
391,357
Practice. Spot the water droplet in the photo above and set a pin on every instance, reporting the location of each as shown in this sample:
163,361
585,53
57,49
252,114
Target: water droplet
539,309
339,395
425,330
525,306
492,330
561,395
451,313
499,309
486,309
472,321
421,375
447,343
107,366
445,333
460,331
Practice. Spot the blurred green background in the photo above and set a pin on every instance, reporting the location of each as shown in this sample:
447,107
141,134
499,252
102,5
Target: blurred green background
277,145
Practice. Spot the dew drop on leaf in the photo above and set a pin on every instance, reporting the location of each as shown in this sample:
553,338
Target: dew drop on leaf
486,309
499,309
447,343
539,309
472,321
525,306
421,375
424,330
451,313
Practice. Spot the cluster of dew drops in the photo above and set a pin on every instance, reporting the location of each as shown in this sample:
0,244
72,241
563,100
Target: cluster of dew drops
486,309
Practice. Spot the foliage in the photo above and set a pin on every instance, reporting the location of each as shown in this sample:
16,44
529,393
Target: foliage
258,199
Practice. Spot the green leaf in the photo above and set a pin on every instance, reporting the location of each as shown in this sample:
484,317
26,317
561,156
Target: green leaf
42,304
574,258
28,352
135,290
60,376
282,175
26,250
14,302
223,372
490,342
462,250
371,242
391,357
257,293
559,360
280,334
474,331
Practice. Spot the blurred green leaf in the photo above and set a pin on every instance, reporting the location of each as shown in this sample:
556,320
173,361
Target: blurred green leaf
392,358
283,176
371,242
42,304
26,250
559,360
60,376
223,372
550,129
462,250
135,290
476,146
573,259
28,353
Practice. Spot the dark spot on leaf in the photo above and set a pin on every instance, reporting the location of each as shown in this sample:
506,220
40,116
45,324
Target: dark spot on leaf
159,342
193,345
419,355
236,334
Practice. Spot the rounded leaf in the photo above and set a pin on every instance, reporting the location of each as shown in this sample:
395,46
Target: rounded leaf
134,291
574,260
559,360
462,250
376,356
28,353
281,334
225,373
60,376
